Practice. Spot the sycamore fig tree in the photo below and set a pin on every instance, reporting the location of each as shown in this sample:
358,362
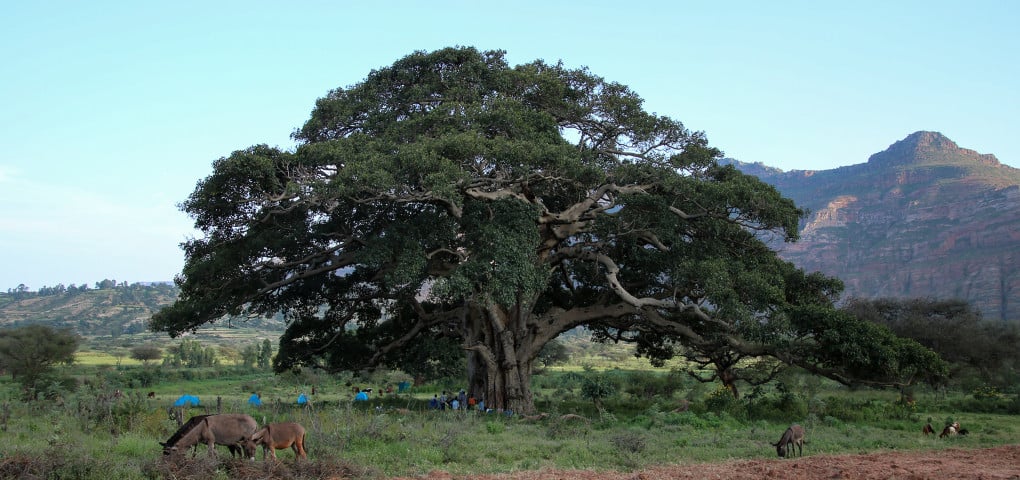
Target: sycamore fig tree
453,198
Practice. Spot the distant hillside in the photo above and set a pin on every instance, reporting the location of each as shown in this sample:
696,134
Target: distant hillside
114,311
921,218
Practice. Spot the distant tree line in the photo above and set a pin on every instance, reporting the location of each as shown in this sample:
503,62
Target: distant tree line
980,351
258,355
190,354
22,291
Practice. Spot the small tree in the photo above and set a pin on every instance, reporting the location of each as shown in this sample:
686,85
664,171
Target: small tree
250,356
598,387
266,354
553,352
31,351
191,354
145,353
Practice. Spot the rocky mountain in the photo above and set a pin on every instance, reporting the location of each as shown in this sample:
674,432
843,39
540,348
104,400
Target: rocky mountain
923,218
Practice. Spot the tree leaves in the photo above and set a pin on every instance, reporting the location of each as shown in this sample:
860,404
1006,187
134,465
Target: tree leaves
31,351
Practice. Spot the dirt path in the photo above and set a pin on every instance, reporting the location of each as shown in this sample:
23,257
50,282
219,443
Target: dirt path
997,463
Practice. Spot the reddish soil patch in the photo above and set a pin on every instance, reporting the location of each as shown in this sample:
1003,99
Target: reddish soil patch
997,463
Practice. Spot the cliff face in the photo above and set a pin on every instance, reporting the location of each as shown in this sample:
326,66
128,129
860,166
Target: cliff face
924,218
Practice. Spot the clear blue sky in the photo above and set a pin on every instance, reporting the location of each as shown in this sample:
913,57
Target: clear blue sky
110,112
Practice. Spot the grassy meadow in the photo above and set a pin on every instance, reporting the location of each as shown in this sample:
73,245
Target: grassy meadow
653,416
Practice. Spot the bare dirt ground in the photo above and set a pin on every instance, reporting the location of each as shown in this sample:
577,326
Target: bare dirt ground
986,464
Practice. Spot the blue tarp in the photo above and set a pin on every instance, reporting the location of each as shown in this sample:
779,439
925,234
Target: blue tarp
361,396
254,400
186,400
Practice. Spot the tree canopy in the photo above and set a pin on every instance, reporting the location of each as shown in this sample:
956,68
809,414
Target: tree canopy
145,353
31,351
976,348
453,196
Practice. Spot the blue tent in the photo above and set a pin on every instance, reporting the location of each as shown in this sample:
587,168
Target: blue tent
302,399
254,400
186,400
361,396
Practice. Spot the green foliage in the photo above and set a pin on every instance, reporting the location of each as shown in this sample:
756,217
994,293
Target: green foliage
721,400
250,355
145,353
628,441
452,199
980,350
191,354
652,385
986,392
495,428
430,358
30,352
553,353
597,388
863,351
265,354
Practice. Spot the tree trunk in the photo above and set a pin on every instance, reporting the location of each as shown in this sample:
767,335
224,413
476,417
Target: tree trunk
500,361
477,375
508,381
729,380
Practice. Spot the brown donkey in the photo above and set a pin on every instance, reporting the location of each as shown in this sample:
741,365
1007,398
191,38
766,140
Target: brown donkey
230,429
793,435
277,436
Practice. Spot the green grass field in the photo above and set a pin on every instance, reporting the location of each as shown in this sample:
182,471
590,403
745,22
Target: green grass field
87,433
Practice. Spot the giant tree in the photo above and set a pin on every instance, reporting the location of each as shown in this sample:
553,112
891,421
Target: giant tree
451,195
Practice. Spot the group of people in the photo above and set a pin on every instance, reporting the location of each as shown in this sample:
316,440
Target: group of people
461,401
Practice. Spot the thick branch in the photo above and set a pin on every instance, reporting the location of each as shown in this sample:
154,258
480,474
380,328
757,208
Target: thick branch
424,321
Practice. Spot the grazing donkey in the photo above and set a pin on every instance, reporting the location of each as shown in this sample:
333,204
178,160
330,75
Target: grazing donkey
230,429
950,430
793,435
277,436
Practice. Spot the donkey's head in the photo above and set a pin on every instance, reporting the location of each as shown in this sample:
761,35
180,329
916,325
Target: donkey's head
168,449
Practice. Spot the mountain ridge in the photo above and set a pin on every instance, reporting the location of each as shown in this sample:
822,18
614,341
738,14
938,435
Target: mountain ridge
922,218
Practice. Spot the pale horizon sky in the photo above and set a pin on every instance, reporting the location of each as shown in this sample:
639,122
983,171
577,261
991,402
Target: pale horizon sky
112,111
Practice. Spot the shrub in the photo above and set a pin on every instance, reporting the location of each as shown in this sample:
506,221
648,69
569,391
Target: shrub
721,400
495,428
628,441
986,392
598,388
568,427
1013,407
644,385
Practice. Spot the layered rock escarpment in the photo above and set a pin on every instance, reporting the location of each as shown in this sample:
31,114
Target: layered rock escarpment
924,218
